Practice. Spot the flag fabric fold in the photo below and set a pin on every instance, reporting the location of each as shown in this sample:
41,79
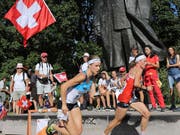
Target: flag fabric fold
30,17
61,77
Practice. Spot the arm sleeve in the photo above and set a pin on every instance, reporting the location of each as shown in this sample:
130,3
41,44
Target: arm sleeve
37,67
51,68
100,82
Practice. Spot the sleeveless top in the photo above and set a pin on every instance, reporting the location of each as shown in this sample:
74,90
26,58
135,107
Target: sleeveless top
75,92
173,71
127,92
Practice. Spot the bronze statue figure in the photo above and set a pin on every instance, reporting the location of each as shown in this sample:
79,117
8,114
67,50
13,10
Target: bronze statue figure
122,24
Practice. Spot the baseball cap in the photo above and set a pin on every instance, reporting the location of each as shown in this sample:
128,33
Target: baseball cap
86,54
44,54
122,69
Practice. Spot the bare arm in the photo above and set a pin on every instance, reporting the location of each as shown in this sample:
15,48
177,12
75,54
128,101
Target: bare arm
167,62
174,65
39,75
11,85
137,80
27,84
156,64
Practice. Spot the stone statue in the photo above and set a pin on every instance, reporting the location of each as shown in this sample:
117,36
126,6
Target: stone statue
121,25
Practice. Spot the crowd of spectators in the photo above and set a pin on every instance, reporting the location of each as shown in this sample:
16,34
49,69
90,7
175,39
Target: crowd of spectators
38,85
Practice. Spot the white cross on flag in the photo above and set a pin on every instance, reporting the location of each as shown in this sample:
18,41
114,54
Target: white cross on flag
61,77
30,17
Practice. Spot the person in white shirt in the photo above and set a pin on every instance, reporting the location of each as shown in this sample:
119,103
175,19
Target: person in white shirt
103,84
83,68
18,86
114,86
43,71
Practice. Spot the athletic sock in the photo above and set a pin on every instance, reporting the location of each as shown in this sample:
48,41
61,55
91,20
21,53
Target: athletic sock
142,132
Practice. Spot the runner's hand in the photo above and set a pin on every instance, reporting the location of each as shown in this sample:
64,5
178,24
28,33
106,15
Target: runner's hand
131,75
65,109
149,87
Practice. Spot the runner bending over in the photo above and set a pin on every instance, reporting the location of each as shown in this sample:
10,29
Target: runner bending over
125,99
70,119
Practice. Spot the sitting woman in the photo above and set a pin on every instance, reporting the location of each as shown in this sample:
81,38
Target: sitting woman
103,86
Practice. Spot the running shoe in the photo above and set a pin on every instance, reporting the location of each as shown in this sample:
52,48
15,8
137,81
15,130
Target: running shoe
50,130
90,108
173,107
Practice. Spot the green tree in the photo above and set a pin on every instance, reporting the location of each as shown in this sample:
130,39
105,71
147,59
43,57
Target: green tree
165,22
61,40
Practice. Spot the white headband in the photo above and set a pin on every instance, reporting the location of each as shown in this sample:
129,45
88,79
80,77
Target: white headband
93,60
141,57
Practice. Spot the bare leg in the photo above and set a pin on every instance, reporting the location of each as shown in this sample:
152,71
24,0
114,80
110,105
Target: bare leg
142,109
108,98
50,99
141,94
35,104
114,99
178,88
98,101
40,99
14,106
103,101
17,108
119,115
74,124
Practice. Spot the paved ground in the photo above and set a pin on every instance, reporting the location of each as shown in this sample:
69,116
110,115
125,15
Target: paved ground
95,121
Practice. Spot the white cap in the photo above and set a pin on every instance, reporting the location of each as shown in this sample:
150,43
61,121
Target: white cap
141,57
19,65
86,54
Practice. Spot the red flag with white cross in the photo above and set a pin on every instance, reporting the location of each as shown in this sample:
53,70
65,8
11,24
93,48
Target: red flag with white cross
30,17
61,77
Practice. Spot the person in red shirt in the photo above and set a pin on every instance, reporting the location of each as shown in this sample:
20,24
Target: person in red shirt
126,98
151,78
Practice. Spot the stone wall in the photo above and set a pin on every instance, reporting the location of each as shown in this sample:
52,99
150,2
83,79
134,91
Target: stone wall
94,122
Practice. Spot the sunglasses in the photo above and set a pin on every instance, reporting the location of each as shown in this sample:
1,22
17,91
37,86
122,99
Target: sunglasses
44,57
18,68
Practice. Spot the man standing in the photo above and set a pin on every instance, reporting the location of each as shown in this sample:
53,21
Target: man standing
43,71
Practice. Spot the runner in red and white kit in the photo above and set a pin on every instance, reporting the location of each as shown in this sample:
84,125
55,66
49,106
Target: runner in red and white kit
125,98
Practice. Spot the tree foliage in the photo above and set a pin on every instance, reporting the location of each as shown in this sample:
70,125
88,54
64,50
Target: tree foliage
166,22
59,40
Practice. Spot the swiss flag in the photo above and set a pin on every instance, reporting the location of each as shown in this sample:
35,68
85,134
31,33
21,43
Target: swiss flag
61,77
3,113
30,17
24,103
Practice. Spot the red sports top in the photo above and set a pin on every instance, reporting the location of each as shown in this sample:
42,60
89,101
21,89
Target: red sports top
150,70
126,94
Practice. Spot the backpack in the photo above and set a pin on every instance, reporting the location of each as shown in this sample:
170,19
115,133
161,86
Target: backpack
23,77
